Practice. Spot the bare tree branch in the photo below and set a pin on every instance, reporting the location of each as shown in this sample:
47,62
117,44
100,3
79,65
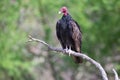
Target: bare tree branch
97,65
116,75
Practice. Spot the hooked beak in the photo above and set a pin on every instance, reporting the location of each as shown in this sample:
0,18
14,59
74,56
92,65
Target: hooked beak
59,12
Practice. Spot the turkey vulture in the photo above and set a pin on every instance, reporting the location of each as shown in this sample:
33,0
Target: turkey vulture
69,34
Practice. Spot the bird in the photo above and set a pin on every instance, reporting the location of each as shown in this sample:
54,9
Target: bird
69,33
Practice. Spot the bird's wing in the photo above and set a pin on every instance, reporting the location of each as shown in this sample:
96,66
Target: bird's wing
78,26
59,35
58,30
76,35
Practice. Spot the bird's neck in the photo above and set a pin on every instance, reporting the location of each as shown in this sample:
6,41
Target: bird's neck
68,17
65,14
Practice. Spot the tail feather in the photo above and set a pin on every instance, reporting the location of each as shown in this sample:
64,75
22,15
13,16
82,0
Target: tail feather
77,59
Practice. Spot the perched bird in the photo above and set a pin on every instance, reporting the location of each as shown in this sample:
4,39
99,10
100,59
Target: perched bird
69,34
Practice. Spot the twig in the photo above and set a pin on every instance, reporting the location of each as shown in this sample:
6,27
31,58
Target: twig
116,75
98,65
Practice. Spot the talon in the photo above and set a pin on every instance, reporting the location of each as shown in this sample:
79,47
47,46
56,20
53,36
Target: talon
66,49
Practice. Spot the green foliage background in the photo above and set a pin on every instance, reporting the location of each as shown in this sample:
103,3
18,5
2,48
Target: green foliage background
99,21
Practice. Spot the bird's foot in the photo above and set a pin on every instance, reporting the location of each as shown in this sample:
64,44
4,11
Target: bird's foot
66,49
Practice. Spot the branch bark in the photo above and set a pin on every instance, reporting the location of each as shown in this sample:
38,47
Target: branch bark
116,75
95,63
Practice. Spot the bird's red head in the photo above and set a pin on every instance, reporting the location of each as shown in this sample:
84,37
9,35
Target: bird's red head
64,10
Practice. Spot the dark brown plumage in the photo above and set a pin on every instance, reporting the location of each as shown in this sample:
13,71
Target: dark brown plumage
69,34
